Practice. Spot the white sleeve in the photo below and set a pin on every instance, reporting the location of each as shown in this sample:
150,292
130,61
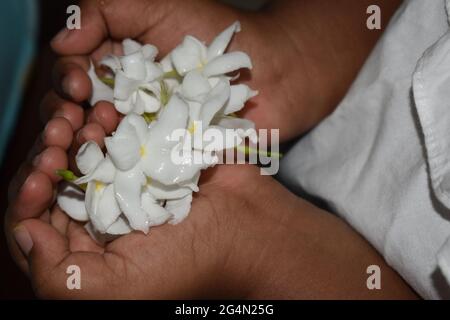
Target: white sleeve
381,161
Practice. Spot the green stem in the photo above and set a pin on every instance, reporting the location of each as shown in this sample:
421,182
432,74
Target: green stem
149,116
108,81
165,94
172,74
69,176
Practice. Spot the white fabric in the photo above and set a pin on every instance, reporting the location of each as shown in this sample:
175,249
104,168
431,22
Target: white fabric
382,159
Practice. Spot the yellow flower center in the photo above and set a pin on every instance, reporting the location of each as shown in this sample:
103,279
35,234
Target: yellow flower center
142,151
192,128
99,186
201,64
149,181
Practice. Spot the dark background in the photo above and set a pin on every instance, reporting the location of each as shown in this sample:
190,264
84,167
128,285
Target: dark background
52,15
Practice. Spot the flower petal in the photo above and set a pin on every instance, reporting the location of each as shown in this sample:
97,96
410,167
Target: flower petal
195,86
127,186
149,51
106,209
125,106
100,238
221,138
215,101
172,117
134,66
148,102
104,172
156,214
227,63
165,192
139,125
130,46
189,55
193,184
175,166
179,208
124,86
167,66
166,63
153,71
112,62
246,128
71,200
88,157
239,94
220,43
124,146
120,226
100,91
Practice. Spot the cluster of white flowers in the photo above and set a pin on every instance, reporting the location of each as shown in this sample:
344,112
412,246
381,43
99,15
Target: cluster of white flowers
136,184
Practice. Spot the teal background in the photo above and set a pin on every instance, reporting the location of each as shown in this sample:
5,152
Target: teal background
18,24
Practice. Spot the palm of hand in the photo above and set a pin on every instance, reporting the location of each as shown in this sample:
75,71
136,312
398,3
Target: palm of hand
177,261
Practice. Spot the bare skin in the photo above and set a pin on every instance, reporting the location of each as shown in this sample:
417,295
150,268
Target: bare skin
247,236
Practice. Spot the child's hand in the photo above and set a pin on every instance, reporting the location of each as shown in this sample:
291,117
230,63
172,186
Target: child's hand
197,258
279,73
246,237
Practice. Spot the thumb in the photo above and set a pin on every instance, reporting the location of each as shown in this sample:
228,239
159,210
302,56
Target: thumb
52,264
41,243
117,19
84,40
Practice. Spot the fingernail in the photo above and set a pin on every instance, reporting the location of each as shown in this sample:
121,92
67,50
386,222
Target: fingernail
80,136
44,132
36,160
23,239
25,182
36,148
60,114
66,86
61,35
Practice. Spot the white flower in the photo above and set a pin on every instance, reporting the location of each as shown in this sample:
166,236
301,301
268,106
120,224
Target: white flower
211,107
71,200
138,183
98,204
192,54
100,91
137,86
142,155
99,173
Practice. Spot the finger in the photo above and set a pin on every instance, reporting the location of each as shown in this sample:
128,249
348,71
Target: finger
85,39
104,114
51,263
107,47
102,19
50,160
90,132
59,220
18,180
54,106
70,78
37,240
32,199
58,133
